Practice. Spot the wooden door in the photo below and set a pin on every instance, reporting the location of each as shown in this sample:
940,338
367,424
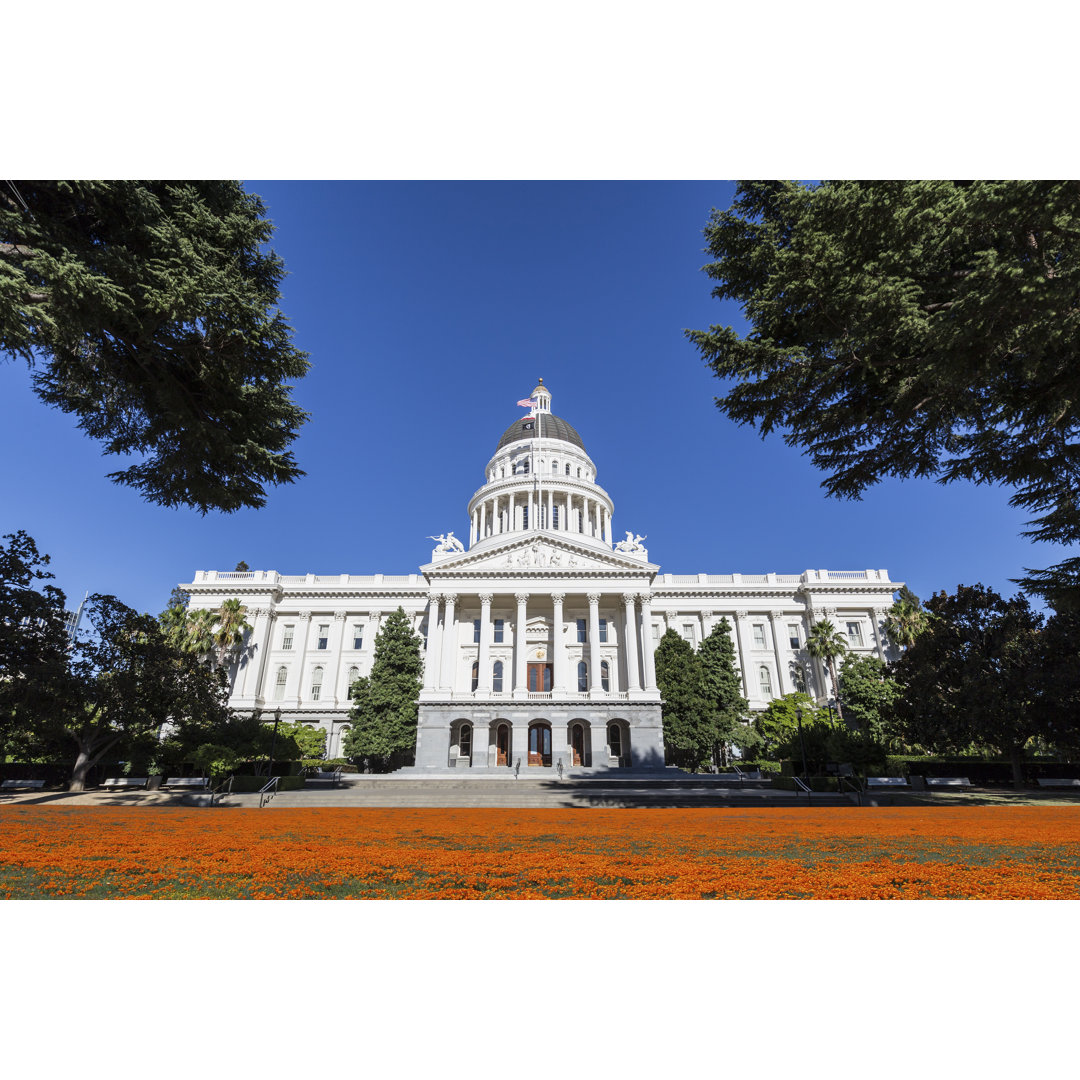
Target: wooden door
539,678
577,744
502,745
540,744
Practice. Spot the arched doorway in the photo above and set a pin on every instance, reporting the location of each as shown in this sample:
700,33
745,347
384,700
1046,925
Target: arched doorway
502,744
618,739
579,744
540,743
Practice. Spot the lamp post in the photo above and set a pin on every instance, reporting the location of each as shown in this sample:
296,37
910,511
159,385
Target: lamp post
802,743
273,744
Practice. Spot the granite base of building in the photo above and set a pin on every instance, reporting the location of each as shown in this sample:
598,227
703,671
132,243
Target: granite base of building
527,735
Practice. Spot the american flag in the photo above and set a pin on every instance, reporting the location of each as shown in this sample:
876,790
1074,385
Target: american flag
527,403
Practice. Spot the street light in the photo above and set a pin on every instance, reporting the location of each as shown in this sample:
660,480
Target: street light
273,744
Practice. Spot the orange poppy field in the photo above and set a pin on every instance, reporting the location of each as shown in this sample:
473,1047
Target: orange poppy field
825,853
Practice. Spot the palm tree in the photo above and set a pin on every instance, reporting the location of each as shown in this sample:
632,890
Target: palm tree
199,638
231,627
826,643
906,619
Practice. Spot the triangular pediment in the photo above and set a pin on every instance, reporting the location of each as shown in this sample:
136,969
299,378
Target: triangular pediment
540,551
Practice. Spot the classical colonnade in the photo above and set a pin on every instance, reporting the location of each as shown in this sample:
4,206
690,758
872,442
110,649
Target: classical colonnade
503,513
440,671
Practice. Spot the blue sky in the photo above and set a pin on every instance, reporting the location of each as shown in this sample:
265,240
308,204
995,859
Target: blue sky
428,309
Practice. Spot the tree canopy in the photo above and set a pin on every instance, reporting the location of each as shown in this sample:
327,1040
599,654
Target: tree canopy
689,734
149,310
385,704
721,690
912,328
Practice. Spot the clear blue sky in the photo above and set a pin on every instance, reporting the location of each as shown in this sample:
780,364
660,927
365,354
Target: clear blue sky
428,309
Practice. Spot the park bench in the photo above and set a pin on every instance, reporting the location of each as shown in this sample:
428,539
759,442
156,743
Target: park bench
885,783
1045,781
15,785
126,782
187,781
948,781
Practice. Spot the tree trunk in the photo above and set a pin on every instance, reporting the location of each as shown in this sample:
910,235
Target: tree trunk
78,775
836,689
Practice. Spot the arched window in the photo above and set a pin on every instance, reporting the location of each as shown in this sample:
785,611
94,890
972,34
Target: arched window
497,677
765,679
554,468
568,468
579,473
465,741
605,675
582,676
614,738
316,683
475,674
354,674
279,684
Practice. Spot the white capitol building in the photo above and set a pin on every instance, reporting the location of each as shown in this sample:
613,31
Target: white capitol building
539,633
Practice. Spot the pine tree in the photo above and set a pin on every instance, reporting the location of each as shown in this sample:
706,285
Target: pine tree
721,688
688,731
385,703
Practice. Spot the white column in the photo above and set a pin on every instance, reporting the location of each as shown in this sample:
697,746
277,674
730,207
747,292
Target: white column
630,643
483,518
520,681
594,643
510,514
259,646
783,676
449,644
339,633
433,656
305,620
483,686
706,624
566,516
876,616
740,640
550,506
648,665
603,531
558,684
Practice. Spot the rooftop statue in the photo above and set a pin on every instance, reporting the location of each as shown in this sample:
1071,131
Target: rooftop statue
447,543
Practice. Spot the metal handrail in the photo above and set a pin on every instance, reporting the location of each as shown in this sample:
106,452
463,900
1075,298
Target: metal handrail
851,783
801,785
265,794
224,788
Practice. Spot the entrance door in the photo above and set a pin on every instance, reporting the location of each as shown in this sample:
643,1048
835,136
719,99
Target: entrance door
577,744
502,745
540,678
540,744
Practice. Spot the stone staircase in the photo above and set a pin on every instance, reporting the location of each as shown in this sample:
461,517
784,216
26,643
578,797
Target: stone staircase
529,792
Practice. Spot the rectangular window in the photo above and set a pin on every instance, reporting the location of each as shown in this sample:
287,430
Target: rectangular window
759,635
524,517
498,631
324,636
476,631
286,637
555,517
793,635
357,637
854,633
581,631
688,632
603,631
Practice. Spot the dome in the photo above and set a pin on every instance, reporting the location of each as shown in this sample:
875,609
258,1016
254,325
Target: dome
553,427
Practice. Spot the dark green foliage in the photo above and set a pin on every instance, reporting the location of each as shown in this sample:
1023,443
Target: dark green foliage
33,636
906,619
385,704
777,725
869,693
974,676
241,567
148,309
689,735
915,328
721,689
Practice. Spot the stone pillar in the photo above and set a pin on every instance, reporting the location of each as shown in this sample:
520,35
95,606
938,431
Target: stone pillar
483,685
706,624
783,676
520,680
449,644
648,662
598,738
433,653
594,643
740,641
558,683
630,643
519,742
603,523
551,509
510,514
483,518
305,621
259,645
339,633
877,615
